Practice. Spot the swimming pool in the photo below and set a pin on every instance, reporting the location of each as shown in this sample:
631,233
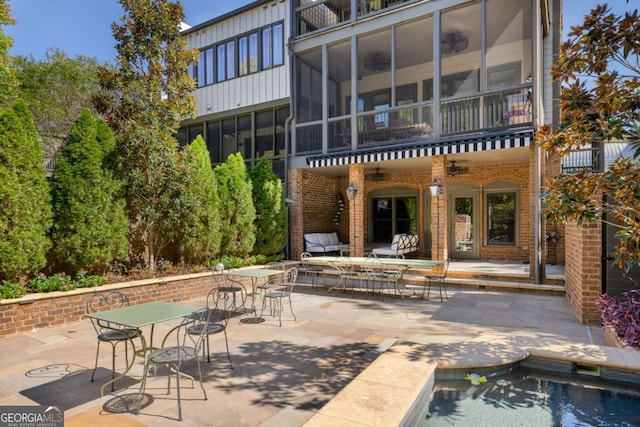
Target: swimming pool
517,395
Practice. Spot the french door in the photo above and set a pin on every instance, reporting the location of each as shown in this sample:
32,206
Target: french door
463,225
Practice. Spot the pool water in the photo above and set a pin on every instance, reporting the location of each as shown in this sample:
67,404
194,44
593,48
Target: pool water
528,397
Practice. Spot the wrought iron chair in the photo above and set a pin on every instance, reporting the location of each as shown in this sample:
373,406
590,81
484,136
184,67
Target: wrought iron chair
309,270
178,346
439,277
230,290
216,321
275,296
109,332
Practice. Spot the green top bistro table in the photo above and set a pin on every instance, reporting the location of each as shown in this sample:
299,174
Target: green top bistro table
254,274
137,316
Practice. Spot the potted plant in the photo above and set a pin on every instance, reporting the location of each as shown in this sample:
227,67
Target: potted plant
621,314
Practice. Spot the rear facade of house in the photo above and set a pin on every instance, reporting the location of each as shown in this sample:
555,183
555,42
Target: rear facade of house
394,99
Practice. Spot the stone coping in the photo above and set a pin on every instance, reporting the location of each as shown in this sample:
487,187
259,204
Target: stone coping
389,391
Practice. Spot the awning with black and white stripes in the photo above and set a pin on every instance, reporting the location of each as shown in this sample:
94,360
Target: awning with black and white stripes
424,149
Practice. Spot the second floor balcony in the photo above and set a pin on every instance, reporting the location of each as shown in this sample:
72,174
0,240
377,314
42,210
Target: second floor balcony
415,122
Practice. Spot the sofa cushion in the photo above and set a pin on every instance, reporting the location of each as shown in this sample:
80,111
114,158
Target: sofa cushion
323,242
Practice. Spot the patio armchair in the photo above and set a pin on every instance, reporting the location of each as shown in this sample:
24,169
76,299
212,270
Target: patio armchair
231,292
178,346
108,332
283,290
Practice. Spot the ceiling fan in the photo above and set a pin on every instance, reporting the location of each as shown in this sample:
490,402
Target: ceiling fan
454,170
377,176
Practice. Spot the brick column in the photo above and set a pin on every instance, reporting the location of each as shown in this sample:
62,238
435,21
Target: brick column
583,269
439,240
356,211
296,218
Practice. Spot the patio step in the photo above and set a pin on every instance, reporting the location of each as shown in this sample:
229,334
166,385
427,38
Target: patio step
498,283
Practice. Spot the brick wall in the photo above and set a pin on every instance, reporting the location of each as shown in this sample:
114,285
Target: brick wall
38,311
315,204
583,270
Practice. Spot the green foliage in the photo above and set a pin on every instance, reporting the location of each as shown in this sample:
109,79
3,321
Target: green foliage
230,261
90,224
236,207
56,91
271,211
8,81
64,282
143,99
201,235
599,104
25,210
10,290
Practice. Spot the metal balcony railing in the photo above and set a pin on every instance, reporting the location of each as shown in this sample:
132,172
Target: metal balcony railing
581,159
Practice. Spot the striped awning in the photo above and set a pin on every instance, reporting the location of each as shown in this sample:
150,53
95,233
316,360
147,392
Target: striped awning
424,149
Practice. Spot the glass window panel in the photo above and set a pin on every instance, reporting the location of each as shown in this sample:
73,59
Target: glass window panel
213,142
264,134
209,63
501,217
309,105
281,118
253,52
221,63
194,131
244,136
229,145
231,60
243,56
266,48
382,220
278,44
201,68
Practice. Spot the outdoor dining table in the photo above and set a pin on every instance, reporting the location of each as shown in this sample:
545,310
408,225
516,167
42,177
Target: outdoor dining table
254,274
402,265
138,316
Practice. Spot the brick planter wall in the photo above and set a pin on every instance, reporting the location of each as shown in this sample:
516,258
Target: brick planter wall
37,311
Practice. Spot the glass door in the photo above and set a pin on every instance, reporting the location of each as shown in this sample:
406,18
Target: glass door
463,230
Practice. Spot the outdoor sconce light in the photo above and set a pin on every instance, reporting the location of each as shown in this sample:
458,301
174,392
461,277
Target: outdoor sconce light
351,192
435,187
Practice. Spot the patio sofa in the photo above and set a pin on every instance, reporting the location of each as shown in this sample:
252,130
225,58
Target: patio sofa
323,243
400,245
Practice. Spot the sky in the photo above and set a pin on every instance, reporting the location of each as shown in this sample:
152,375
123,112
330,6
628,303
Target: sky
83,27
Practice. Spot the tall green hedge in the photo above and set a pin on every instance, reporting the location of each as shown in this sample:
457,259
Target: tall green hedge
236,207
271,211
90,225
25,204
201,234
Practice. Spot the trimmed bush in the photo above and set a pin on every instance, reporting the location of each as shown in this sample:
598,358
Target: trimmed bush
271,211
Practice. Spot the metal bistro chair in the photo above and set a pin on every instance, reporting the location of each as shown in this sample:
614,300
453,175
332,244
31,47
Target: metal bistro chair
275,296
109,332
438,278
310,270
229,289
178,347
216,321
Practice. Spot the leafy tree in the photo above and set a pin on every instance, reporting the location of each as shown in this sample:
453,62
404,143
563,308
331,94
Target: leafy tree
56,90
25,207
90,223
201,234
144,98
599,73
236,207
271,212
8,82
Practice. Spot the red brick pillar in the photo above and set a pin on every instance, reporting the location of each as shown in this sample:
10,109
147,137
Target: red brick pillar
439,240
583,269
296,209
356,210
